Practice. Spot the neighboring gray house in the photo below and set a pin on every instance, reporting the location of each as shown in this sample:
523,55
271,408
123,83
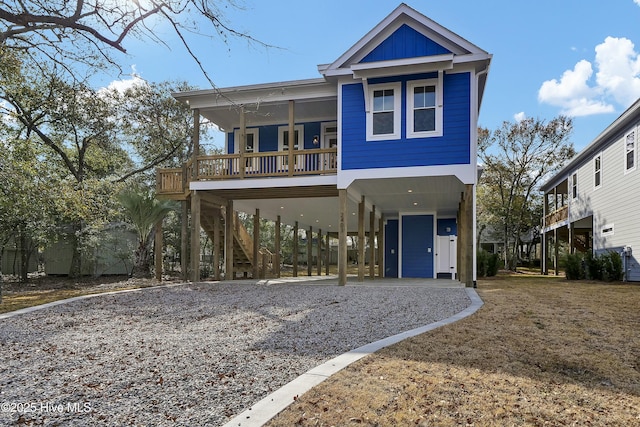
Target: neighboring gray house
592,203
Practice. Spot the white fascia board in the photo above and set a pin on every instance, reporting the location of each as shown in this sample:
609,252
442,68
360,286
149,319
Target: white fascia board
466,173
406,66
253,183
252,94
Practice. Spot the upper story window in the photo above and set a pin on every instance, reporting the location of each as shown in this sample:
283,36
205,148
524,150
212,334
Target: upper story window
574,185
630,151
424,108
597,171
283,138
383,120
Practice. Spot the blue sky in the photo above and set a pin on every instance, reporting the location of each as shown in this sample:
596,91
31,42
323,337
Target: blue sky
550,57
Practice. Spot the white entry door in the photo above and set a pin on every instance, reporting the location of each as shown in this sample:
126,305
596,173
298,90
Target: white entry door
447,255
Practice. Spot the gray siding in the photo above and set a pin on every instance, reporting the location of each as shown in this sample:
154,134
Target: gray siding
615,203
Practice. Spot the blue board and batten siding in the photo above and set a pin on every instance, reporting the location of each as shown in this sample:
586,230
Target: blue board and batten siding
405,42
453,147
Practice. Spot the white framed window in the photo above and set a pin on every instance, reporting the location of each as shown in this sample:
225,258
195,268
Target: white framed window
607,230
383,114
283,145
630,151
574,185
424,108
329,135
251,140
597,171
283,138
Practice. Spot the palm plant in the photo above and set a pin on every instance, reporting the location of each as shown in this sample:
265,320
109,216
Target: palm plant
144,211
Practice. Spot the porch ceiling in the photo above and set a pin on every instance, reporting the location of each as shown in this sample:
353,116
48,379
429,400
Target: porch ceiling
319,208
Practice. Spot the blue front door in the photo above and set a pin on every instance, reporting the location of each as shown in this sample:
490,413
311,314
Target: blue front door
417,246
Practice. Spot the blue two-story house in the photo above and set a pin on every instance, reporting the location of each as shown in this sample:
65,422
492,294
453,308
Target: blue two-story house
380,149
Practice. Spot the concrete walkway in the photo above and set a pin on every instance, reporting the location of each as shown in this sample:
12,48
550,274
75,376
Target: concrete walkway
267,408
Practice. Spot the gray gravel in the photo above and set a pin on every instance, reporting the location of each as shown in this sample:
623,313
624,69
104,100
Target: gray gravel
194,354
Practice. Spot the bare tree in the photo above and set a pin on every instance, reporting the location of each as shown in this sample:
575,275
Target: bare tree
90,31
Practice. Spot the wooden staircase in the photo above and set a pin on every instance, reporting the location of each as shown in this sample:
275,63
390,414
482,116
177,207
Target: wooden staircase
242,244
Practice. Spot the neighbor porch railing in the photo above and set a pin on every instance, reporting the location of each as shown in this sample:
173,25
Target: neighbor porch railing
248,165
556,216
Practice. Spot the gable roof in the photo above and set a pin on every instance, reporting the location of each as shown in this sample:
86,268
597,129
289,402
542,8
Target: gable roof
433,46
612,133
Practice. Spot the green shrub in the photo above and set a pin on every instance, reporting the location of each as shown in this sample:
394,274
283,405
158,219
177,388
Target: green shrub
493,264
574,268
593,266
482,259
611,266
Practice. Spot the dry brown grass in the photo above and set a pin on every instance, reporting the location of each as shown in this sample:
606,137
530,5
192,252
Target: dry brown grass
43,289
541,351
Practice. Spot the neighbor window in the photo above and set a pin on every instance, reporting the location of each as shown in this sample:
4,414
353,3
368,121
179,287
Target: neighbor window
383,119
574,185
597,171
630,151
424,108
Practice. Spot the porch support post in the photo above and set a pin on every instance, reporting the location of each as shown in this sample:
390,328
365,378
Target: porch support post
465,238
372,243
342,238
544,255
196,143
242,144
228,232
195,236
184,241
256,244
556,249
381,247
158,251
276,262
295,250
292,135
327,254
309,251
361,240
216,244
319,258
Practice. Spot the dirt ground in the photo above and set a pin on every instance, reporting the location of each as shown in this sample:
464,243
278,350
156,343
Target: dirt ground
541,351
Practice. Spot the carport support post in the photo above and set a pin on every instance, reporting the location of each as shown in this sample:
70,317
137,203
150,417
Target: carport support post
381,247
216,244
158,251
228,232
256,244
276,262
361,240
309,251
319,260
295,250
372,243
195,236
327,254
342,238
184,241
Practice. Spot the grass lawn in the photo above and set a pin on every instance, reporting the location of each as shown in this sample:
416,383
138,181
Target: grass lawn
541,351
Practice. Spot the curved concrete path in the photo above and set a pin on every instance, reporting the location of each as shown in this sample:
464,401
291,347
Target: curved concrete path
267,408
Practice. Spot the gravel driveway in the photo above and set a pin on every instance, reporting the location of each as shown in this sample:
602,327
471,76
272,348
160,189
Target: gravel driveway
192,354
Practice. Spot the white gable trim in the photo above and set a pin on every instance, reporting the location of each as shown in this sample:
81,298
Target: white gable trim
398,67
403,14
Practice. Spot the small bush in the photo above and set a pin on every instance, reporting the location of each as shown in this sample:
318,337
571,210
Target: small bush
482,258
574,268
611,266
487,264
493,264
593,266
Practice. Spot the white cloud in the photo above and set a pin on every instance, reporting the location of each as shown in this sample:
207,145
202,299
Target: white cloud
521,115
124,84
617,81
637,2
